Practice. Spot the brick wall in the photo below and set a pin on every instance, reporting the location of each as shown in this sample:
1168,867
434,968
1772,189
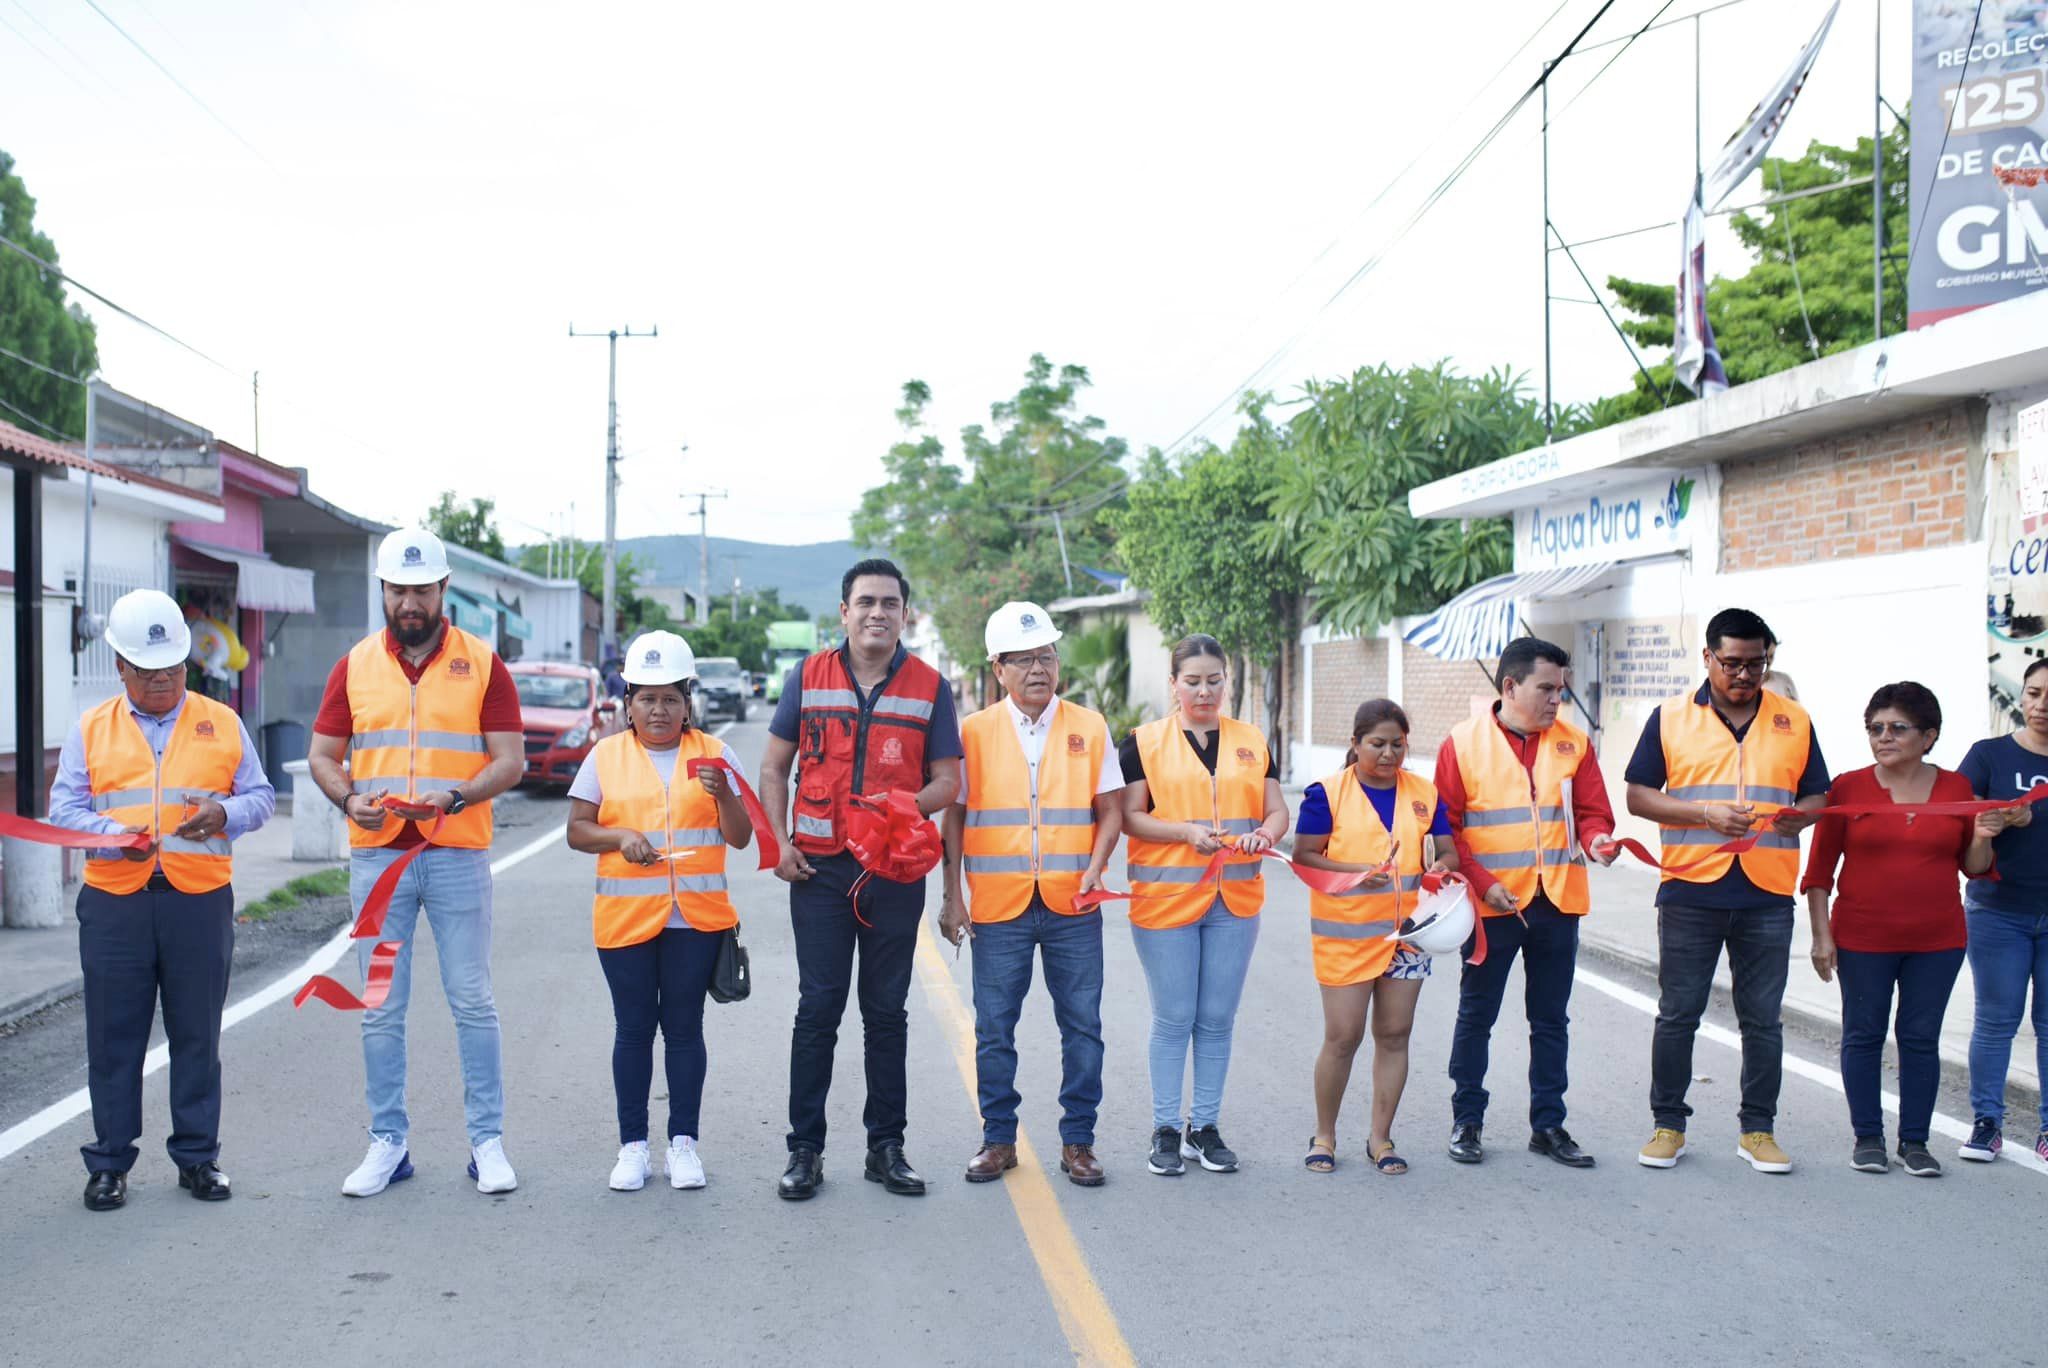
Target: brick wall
1342,675
1900,487
1437,695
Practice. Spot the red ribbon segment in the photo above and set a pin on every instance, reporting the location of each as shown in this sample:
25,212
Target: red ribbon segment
764,835
42,833
370,921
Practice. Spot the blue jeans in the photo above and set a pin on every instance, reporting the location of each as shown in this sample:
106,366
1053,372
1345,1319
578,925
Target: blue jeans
660,982
1549,947
2008,950
1689,941
1072,950
1196,975
454,886
1924,979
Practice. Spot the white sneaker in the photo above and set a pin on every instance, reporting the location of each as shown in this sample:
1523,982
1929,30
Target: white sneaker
630,1173
386,1163
685,1168
490,1168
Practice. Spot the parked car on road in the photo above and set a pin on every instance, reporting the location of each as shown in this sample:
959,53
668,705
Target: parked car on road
722,688
564,711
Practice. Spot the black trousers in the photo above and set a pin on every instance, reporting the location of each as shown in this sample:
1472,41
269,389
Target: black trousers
827,934
134,949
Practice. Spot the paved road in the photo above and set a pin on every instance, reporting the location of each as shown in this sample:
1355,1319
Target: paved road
1517,1260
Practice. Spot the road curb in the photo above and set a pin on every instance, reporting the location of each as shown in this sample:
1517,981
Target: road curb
55,994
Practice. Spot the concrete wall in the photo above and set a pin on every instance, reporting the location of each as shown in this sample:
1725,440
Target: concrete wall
307,645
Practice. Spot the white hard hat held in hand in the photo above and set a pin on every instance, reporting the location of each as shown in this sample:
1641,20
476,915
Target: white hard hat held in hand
1019,626
412,555
147,629
658,658
1443,918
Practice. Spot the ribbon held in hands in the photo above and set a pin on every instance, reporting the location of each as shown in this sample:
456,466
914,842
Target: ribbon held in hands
370,921
764,836
42,833
1321,880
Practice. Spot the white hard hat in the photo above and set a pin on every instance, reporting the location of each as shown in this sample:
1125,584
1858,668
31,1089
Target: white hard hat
659,658
1018,627
147,629
1443,919
412,555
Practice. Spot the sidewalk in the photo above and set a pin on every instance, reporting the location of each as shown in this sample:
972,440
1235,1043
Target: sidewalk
40,967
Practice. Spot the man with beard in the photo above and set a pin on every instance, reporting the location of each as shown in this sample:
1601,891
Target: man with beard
425,714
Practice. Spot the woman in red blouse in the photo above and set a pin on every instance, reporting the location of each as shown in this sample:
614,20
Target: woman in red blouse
1898,921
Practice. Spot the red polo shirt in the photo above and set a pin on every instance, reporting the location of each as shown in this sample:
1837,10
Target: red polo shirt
1590,809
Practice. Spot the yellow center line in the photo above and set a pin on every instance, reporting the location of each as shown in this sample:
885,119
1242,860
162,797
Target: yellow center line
1083,1311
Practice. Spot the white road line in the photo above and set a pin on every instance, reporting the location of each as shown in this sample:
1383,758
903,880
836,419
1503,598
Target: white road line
1942,1124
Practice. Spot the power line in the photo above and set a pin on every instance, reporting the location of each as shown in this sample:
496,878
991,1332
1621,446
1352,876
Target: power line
90,70
47,370
1620,52
190,93
1934,182
30,43
31,418
126,313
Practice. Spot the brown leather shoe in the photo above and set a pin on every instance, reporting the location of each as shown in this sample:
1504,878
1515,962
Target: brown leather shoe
1080,1165
990,1162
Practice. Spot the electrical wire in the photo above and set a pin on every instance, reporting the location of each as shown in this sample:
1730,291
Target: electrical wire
28,417
1934,182
190,93
37,365
32,46
129,314
72,52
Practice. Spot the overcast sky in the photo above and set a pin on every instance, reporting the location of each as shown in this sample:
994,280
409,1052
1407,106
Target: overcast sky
402,207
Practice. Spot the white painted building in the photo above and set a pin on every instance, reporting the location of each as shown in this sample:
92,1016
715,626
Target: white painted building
522,615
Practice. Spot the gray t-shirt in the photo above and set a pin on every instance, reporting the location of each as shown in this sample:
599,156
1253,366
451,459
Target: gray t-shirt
586,787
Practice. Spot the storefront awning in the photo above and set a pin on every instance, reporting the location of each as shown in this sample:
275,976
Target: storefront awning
472,613
1479,623
515,625
260,582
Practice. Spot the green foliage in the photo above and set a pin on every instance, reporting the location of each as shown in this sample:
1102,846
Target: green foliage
745,637
327,883
972,535
1756,316
470,525
36,322
1095,667
1344,466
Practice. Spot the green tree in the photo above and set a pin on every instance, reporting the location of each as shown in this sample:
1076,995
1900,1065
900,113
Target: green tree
470,525
1344,466
973,534
1760,318
36,322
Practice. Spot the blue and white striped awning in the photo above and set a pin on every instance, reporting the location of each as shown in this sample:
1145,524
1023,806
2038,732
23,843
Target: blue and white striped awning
1479,623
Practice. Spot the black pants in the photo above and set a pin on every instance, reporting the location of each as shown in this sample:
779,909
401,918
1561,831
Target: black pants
1689,941
660,982
133,948
1549,949
827,934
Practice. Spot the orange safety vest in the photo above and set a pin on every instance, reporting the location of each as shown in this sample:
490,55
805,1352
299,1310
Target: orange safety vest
842,750
633,901
1348,931
1516,817
132,787
409,739
1025,833
1704,763
1163,874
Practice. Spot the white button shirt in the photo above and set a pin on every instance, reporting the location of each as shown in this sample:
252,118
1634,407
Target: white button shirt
1031,736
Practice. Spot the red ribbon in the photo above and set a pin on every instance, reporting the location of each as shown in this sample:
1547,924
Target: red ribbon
42,833
764,835
1321,880
370,921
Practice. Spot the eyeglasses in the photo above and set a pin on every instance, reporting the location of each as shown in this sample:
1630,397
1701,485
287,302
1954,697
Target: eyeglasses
1756,667
1877,729
167,672
1044,660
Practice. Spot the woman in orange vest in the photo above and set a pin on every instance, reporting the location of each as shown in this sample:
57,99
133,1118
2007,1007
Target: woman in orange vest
1370,812
1196,783
660,837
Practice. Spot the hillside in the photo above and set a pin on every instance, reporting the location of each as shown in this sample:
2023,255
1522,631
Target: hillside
805,575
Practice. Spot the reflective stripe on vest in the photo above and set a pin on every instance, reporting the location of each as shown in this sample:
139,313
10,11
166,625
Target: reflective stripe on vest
1704,763
131,786
1026,833
1182,790
833,737
1347,930
1515,822
632,901
411,739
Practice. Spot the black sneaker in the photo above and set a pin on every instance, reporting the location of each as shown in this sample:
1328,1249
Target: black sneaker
1986,1140
1465,1146
1165,1160
1869,1155
1921,1164
1206,1147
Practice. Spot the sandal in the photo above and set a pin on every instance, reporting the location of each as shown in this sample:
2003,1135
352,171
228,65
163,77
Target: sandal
1321,1163
1388,1162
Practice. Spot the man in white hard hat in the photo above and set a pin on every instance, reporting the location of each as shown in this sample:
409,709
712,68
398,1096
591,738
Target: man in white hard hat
1036,821
426,714
157,919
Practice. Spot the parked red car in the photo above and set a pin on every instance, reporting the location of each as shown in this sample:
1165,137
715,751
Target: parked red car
564,712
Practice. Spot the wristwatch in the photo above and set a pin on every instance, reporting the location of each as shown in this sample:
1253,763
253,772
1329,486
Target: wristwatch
456,802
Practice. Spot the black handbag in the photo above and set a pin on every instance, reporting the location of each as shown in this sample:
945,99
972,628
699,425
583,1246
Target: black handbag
732,978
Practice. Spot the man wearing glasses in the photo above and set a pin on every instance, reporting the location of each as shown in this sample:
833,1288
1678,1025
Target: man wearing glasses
1729,761
1036,821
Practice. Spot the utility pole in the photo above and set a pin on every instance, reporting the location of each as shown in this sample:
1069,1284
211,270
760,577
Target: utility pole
704,547
609,627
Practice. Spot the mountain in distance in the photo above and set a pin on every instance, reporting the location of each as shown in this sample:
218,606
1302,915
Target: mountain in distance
806,575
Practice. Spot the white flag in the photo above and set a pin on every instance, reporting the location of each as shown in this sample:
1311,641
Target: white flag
1693,353
1760,129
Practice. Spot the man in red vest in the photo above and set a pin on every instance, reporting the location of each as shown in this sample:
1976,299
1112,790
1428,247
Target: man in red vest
864,717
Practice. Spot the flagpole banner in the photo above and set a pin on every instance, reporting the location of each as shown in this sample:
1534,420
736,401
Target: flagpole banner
1693,353
1760,129
1980,106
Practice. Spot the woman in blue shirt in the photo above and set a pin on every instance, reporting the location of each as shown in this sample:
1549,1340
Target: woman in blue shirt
2008,920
